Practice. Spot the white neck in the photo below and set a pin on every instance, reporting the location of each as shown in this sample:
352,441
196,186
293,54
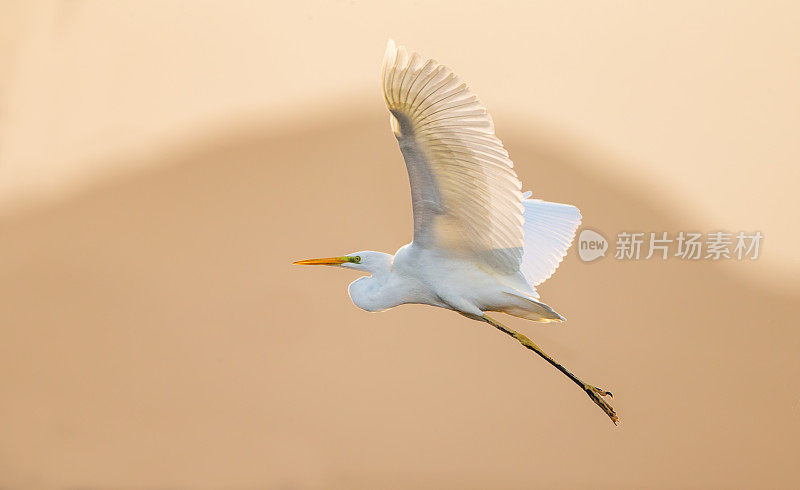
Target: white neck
371,292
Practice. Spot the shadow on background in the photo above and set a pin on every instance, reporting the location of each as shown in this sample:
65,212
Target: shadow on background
156,335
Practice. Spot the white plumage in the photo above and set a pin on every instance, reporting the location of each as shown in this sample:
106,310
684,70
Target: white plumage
549,230
465,195
479,244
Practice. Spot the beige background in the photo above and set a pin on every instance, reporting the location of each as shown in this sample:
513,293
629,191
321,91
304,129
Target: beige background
161,164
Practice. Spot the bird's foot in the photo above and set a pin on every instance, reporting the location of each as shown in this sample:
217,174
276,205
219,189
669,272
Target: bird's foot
596,395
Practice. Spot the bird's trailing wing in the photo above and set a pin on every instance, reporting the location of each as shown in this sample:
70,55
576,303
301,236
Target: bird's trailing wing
465,195
549,230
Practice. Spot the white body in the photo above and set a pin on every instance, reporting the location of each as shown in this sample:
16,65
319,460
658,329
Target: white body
429,276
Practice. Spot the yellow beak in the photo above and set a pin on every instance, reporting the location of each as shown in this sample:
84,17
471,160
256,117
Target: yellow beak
326,261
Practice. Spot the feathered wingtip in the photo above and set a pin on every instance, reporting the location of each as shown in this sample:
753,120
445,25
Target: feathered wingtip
391,48
389,57
398,64
388,54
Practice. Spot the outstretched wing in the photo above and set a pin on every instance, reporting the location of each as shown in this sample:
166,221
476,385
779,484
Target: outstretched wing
549,231
465,195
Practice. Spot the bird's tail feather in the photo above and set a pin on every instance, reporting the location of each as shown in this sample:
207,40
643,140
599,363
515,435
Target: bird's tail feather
527,307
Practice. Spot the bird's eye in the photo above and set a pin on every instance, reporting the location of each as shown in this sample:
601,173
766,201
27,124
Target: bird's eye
357,259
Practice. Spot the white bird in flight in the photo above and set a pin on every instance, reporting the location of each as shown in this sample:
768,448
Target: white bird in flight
479,243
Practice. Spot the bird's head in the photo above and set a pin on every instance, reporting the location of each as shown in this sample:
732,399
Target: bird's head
365,261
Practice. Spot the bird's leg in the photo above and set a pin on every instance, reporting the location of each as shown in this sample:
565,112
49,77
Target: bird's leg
594,393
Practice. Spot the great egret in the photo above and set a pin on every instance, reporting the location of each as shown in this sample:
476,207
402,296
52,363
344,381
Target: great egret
479,243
